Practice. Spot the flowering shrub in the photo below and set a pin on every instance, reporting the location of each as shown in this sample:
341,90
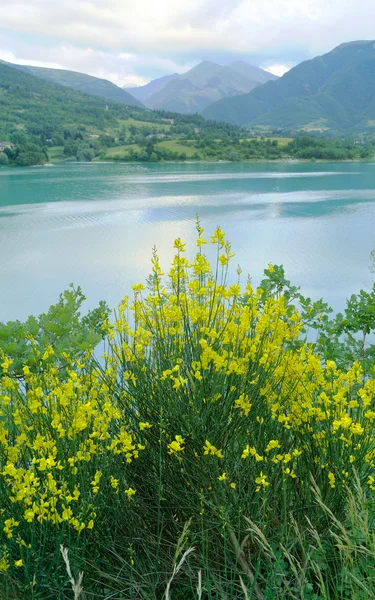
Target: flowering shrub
207,408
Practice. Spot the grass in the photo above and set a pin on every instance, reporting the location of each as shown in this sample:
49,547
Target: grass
121,150
56,153
176,146
161,127
282,141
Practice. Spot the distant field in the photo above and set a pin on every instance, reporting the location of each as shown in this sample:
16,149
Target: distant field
177,147
120,150
56,153
140,124
283,141
319,125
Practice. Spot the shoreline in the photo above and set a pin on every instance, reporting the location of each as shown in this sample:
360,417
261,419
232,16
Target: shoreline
192,162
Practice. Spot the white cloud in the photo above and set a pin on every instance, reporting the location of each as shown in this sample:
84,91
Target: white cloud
167,25
277,69
122,68
12,58
127,39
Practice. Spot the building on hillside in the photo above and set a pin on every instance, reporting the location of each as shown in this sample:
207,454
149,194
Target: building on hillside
158,136
4,145
93,136
170,121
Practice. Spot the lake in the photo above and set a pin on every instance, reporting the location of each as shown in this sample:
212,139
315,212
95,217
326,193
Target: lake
95,225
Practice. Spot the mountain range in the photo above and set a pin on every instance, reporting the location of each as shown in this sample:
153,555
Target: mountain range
333,93
93,86
204,84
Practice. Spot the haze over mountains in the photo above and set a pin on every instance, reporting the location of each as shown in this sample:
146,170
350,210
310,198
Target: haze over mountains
204,84
334,92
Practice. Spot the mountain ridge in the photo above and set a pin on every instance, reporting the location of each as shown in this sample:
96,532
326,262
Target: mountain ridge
81,82
202,85
333,92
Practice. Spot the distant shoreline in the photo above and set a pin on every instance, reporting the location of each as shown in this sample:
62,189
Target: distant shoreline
285,161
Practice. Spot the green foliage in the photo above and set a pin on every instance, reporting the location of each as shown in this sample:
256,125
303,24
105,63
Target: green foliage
62,328
4,160
344,337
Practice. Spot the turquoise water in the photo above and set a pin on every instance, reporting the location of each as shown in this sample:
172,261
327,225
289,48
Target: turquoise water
95,225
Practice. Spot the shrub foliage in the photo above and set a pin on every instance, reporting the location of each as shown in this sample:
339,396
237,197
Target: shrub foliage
210,423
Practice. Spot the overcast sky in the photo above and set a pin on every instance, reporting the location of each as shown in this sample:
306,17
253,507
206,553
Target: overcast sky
133,41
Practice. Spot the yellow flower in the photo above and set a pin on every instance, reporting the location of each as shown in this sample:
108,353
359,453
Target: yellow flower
272,445
179,245
18,563
144,425
138,287
177,445
114,482
233,485
249,451
7,362
212,450
331,479
261,481
222,477
130,492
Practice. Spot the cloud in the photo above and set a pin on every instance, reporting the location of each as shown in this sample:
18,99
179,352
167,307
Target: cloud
130,39
12,58
278,70
123,68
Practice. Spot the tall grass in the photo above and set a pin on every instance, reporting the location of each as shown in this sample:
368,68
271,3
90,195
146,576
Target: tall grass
211,424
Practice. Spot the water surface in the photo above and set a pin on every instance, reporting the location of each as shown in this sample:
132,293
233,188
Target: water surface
95,225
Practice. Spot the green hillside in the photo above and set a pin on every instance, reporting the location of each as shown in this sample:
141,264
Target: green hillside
334,92
31,104
82,83
204,84
44,120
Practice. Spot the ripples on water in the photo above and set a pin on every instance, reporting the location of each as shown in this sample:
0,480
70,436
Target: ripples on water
95,225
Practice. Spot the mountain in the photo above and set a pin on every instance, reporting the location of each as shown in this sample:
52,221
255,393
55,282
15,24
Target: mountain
251,72
334,92
93,86
31,104
144,92
204,84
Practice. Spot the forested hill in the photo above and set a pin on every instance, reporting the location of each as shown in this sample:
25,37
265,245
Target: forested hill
81,82
30,103
333,93
37,114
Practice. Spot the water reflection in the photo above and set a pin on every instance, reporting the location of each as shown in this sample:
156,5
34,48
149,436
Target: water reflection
95,225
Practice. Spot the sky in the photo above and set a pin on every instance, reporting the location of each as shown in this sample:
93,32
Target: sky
131,42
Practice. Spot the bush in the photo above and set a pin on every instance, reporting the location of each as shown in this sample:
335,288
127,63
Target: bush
4,161
209,423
